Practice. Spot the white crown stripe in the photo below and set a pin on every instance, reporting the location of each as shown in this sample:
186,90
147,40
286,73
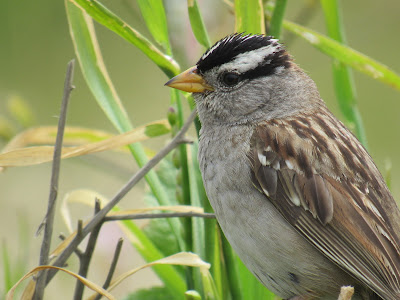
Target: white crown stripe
211,50
244,62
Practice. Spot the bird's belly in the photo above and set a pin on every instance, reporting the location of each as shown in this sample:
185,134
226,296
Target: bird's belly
271,249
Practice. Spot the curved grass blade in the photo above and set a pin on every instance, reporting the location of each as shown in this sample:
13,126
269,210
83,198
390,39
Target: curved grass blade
277,18
198,27
342,74
74,136
98,80
88,283
93,67
154,15
168,274
108,19
252,288
346,55
249,16
209,287
232,270
40,154
179,259
198,233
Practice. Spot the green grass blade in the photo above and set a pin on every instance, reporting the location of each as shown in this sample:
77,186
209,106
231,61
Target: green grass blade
205,239
346,55
249,16
198,27
175,96
192,106
198,233
159,293
342,74
242,283
210,290
96,76
154,15
108,19
93,67
252,288
184,169
277,18
213,255
232,270
167,273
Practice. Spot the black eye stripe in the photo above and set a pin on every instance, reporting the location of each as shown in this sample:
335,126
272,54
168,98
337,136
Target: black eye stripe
278,60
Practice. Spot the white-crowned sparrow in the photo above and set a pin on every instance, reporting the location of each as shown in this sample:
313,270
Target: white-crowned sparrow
294,191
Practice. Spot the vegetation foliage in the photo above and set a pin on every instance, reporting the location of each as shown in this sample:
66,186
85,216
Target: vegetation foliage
175,185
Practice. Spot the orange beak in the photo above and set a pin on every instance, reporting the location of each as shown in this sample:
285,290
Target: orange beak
189,81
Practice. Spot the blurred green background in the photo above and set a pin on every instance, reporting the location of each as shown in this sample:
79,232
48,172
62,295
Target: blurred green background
35,47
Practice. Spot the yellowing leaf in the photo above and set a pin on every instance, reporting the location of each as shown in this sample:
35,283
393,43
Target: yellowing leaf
182,259
82,196
174,208
47,135
87,197
88,283
40,154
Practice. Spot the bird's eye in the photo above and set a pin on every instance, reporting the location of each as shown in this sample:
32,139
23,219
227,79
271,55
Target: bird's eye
230,79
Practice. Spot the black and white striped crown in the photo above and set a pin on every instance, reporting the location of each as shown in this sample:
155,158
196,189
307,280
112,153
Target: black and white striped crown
250,55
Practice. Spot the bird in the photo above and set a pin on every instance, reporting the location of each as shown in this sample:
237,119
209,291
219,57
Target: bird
296,194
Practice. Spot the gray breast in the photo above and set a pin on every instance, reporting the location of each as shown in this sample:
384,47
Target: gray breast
276,254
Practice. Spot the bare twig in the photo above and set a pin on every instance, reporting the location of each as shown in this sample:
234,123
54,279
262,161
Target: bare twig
79,228
177,140
158,216
77,251
85,259
49,218
112,266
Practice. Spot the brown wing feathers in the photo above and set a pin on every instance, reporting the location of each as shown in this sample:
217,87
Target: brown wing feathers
324,175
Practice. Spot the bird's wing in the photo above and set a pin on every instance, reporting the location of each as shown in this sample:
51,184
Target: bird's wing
326,185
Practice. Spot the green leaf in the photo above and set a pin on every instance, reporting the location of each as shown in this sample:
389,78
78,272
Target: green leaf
342,74
232,270
173,281
249,16
154,130
154,15
108,19
210,291
175,99
346,55
198,233
192,295
252,288
96,76
93,67
214,256
158,230
198,27
277,18
155,293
